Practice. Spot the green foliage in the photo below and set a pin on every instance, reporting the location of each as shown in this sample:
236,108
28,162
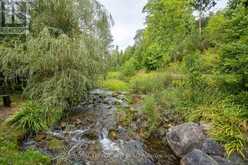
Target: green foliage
113,75
214,29
129,67
33,117
71,17
151,111
168,25
153,58
64,53
9,149
56,69
152,82
228,126
146,82
115,85
194,77
234,60
61,67
169,99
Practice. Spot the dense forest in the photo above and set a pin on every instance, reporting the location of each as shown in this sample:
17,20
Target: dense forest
188,65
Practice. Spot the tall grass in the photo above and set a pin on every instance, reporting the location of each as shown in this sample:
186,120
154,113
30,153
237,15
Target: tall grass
152,82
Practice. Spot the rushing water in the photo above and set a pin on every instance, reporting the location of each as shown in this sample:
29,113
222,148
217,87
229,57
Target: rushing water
84,137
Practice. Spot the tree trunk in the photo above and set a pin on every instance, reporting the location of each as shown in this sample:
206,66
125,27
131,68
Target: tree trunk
6,101
200,23
2,14
200,17
200,26
13,12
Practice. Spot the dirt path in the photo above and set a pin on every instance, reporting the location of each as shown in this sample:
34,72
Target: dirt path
5,112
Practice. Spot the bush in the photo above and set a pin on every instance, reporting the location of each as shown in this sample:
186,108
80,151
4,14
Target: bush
152,112
33,117
129,67
115,85
153,57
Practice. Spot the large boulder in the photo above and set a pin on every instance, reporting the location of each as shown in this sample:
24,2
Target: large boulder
197,157
184,138
211,147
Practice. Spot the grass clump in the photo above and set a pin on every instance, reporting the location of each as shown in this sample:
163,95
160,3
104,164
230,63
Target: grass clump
33,117
228,125
115,85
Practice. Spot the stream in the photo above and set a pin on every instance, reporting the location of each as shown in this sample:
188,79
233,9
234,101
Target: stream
91,135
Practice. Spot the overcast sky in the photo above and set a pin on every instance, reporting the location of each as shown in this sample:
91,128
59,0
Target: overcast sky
128,18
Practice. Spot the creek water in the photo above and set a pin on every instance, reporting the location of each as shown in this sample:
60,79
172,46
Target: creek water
91,135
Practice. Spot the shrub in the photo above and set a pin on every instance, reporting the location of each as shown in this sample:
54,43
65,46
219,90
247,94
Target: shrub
151,111
115,85
129,67
33,117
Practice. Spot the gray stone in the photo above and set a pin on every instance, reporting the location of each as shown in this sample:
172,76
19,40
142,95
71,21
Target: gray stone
184,138
237,159
222,161
211,147
197,157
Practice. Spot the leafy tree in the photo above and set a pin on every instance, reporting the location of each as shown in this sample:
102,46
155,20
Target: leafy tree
215,29
72,17
202,6
234,59
169,23
64,54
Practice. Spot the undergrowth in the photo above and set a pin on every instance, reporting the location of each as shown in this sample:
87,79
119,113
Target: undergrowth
33,117
228,126
10,152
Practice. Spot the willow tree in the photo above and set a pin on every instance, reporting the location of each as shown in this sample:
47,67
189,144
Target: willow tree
71,17
64,53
